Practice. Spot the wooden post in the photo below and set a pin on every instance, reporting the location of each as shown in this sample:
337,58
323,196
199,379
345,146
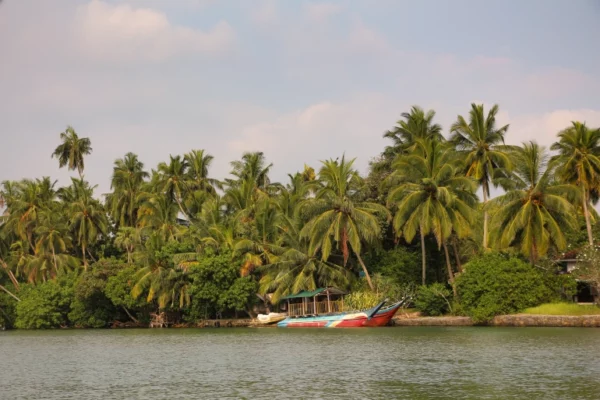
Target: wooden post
328,302
315,304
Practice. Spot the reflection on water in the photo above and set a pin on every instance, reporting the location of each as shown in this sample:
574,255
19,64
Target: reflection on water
379,363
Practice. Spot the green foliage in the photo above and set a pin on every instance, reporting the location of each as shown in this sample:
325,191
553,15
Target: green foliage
8,306
588,265
362,297
563,309
46,305
90,307
118,289
433,300
216,286
400,264
495,284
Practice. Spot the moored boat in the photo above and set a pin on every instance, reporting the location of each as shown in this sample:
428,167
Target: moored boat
270,318
306,311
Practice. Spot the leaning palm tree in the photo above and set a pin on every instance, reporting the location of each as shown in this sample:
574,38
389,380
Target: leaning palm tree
53,237
535,213
431,195
579,157
339,217
72,150
482,144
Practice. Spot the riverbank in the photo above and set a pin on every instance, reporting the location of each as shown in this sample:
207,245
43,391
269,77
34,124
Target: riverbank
517,320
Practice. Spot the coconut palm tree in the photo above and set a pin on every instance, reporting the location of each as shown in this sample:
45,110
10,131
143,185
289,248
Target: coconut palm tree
72,150
127,181
173,181
88,221
416,124
338,215
579,155
53,237
159,214
431,195
295,269
127,238
482,144
535,213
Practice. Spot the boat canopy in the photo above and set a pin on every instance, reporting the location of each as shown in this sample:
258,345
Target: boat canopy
313,293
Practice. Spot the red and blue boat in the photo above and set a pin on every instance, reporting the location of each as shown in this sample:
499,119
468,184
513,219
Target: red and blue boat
323,308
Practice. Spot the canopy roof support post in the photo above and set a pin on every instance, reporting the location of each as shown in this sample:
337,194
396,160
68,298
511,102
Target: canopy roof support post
315,304
328,303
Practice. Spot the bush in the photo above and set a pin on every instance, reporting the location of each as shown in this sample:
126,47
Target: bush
494,284
8,306
216,287
46,305
400,264
433,300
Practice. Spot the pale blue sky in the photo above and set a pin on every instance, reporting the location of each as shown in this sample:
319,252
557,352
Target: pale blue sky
300,80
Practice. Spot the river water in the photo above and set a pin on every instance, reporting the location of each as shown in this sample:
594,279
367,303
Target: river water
376,363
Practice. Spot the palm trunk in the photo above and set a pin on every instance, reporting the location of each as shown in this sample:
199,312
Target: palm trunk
456,255
423,262
9,293
586,213
54,258
450,273
485,188
83,254
12,277
362,264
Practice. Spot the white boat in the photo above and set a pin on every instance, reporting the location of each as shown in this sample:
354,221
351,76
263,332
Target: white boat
270,318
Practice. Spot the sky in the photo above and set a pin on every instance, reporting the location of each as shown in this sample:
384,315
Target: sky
302,81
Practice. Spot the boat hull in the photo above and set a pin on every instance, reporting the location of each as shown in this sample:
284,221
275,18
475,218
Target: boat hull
343,320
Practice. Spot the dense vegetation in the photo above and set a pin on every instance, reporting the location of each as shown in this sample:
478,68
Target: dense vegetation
175,240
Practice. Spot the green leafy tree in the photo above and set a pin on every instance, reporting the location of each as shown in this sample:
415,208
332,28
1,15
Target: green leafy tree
72,150
482,144
579,155
127,182
88,221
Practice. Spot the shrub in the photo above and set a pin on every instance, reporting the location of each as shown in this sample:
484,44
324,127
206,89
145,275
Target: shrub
46,305
495,284
433,300
400,264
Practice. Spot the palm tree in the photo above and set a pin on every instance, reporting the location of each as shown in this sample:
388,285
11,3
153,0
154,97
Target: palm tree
579,155
338,218
295,269
534,214
53,237
127,238
126,183
159,214
72,149
173,181
431,195
416,124
88,221
482,144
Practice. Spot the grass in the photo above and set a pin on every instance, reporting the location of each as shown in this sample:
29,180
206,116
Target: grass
563,309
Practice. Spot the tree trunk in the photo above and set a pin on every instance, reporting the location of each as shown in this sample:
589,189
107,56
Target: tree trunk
450,273
485,215
128,255
84,259
586,213
12,277
423,261
130,316
9,293
362,264
456,255
54,258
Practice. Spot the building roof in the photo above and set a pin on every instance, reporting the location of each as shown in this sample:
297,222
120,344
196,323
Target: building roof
313,293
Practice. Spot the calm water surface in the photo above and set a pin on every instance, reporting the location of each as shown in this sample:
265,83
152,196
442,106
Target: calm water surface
380,363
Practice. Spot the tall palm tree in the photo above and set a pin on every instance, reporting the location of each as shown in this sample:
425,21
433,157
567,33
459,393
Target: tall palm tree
53,237
173,181
127,180
88,221
534,214
431,195
158,214
72,150
416,124
482,143
579,155
339,217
